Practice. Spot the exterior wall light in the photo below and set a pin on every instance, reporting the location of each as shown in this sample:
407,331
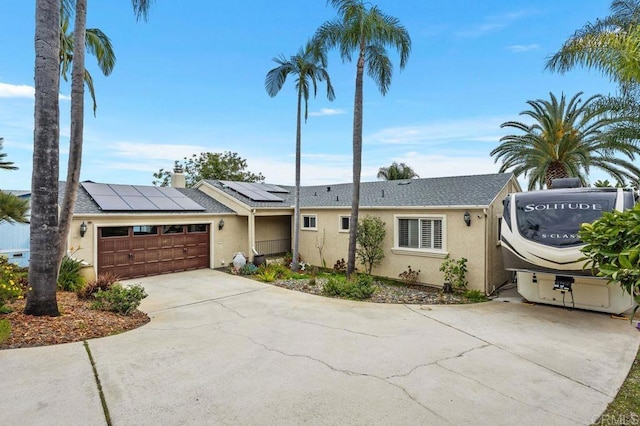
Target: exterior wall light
83,229
467,218
221,224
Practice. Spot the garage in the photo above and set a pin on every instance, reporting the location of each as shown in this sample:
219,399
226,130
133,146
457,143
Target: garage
143,250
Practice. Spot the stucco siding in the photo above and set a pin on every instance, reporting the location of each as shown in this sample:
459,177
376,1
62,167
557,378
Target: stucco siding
273,227
460,240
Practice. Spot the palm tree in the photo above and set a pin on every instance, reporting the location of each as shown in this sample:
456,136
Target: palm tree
309,67
396,171
610,45
566,140
12,208
366,31
97,43
48,237
5,165
41,300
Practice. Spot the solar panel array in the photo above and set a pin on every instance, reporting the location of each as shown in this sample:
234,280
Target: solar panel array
139,198
255,191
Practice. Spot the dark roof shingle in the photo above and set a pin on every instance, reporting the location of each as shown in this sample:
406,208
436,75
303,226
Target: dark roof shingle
476,190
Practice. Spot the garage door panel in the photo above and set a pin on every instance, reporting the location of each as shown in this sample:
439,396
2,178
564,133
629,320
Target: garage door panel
141,255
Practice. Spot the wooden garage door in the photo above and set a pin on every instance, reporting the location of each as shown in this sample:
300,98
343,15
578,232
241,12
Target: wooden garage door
139,251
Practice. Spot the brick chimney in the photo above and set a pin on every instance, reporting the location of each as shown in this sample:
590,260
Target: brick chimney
177,178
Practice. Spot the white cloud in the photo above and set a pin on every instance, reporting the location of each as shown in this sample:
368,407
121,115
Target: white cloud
479,129
143,152
327,111
22,91
519,48
16,91
493,23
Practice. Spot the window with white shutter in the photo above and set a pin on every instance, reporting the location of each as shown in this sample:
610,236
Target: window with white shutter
420,233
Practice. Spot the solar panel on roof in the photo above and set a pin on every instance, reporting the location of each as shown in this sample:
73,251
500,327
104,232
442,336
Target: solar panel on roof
139,203
165,203
251,190
149,191
111,202
273,188
123,190
98,189
139,198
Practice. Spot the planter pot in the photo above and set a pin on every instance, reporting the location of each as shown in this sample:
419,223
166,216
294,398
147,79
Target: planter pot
239,260
259,260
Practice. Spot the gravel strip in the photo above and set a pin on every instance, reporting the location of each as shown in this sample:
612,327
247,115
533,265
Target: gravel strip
385,293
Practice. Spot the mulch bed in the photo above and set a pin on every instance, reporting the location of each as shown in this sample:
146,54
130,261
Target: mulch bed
76,323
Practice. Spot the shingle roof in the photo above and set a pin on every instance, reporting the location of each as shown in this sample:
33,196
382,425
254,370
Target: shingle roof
476,190
85,205
18,192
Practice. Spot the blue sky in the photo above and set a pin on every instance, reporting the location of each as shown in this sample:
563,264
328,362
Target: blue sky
191,79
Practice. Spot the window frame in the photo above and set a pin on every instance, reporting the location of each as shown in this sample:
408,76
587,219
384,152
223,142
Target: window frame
341,218
309,216
436,252
141,233
103,228
170,229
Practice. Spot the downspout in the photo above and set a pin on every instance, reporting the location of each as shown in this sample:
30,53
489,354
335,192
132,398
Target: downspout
487,252
252,233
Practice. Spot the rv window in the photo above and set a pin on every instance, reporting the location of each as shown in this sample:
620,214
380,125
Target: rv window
555,221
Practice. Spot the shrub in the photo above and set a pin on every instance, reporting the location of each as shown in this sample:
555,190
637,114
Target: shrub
613,249
370,237
69,278
11,283
288,259
359,287
281,271
267,275
455,272
103,282
248,269
5,330
409,276
340,265
119,299
475,296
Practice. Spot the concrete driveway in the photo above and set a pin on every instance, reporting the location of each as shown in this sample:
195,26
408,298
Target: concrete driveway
222,349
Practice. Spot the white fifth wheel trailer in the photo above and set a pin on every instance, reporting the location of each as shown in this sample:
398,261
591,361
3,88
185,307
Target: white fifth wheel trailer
540,243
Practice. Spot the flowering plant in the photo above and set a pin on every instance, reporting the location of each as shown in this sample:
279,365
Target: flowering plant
10,282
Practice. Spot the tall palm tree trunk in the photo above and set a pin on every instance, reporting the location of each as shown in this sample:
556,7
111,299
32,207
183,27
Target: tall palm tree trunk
41,299
296,210
77,127
357,161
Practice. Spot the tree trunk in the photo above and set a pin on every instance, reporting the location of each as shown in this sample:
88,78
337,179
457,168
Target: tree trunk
357,162
43,271
77,128
556,170
296,211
